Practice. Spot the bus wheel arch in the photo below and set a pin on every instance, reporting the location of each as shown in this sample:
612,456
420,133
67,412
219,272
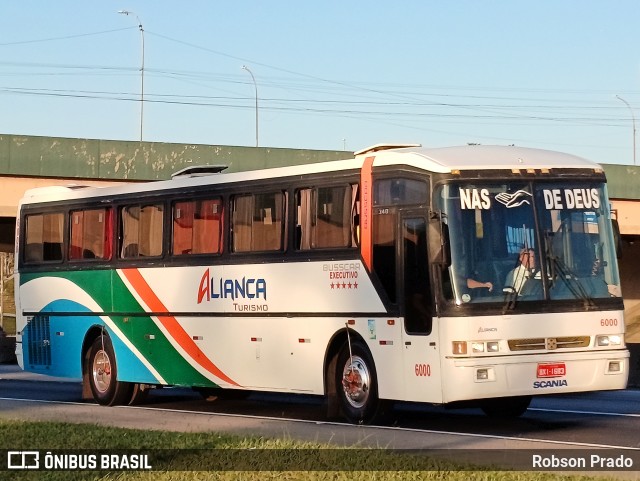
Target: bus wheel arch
351,381
330,363
93,333
100,371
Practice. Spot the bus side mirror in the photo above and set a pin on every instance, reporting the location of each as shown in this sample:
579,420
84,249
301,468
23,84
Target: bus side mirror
439,247
617,238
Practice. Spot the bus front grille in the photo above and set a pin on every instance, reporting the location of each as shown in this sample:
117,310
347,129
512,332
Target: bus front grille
549,343
39,341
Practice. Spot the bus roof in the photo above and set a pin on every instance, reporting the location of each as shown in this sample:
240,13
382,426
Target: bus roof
482,157
438,160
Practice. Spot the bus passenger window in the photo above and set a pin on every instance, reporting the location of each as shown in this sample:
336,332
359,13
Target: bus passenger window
90,236
141,231
303,219
197,227
327,217
258,222
43,237
333,217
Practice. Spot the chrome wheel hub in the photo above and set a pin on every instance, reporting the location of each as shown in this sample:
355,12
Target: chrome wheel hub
101,371
356,380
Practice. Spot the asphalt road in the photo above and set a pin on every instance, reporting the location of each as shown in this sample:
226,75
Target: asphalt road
583,422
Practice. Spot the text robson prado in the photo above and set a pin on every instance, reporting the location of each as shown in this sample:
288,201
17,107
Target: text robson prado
593,461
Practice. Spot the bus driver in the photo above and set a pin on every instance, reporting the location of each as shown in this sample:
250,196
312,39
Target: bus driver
526,269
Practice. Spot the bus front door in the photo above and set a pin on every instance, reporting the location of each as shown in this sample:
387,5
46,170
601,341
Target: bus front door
420,348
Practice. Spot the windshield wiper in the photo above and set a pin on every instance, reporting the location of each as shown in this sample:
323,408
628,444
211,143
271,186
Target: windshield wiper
511,296
577,289
558,269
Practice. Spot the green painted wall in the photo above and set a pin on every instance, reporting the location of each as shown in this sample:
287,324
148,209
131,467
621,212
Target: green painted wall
623,181
117,160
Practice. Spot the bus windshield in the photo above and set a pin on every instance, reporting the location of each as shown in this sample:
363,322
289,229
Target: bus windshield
529,241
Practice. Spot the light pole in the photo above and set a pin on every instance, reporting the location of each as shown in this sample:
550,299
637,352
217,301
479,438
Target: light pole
633,118
128,12
255,86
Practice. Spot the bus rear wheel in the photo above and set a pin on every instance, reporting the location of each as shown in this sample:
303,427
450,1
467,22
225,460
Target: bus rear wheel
506,407
357,384
103,374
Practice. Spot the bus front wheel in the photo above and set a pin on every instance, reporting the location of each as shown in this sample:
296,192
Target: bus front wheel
103,374
356,384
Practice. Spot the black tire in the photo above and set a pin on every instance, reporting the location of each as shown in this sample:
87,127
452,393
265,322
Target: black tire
506,407
357,384
103,374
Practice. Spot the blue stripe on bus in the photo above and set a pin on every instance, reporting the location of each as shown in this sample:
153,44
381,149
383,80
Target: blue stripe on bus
50,341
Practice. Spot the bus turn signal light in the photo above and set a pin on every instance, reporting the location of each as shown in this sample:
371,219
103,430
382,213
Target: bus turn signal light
459,347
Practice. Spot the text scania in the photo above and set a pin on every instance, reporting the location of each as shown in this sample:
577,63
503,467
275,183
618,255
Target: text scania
212,288
554,383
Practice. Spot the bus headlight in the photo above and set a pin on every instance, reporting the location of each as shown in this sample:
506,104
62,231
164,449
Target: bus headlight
477,347
613,340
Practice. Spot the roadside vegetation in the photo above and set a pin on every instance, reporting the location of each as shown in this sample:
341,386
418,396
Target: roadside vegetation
8,322
192,453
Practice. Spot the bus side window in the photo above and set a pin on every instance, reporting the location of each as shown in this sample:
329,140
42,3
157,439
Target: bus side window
257,222
303,219
327,217
197,227
44,237
268,215
90,234
141,231
332,226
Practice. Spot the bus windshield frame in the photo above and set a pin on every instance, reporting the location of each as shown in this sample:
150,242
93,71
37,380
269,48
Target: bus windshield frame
529,243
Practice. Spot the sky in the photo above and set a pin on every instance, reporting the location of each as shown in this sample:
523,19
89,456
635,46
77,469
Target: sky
336,75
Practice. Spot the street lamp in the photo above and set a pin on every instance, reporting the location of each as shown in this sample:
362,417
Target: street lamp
128,12
633,118
255,86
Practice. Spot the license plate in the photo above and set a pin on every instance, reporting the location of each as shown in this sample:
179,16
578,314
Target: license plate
552,370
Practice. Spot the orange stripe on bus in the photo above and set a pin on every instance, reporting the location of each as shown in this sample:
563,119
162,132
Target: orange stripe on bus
366,212
171,324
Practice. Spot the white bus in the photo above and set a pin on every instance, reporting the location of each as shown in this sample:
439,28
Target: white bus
379,278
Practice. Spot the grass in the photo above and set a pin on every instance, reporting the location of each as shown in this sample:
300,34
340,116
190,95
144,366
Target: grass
194,453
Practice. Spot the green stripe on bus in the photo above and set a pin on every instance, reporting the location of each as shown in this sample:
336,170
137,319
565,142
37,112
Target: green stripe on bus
159,352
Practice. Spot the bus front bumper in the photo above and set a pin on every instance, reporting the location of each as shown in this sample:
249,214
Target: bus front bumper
532,375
